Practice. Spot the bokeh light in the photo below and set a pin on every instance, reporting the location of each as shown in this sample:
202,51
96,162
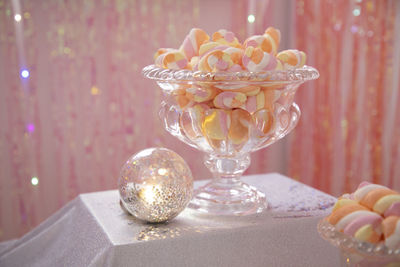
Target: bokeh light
17,17
94,90
24,73
251,18
30,127
35,181
356,12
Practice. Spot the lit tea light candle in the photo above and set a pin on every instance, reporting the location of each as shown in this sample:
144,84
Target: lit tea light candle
155,185
149,193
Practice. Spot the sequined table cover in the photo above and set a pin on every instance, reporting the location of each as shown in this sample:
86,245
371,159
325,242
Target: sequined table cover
92,230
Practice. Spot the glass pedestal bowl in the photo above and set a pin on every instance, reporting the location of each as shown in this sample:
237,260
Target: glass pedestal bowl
229,134
358,253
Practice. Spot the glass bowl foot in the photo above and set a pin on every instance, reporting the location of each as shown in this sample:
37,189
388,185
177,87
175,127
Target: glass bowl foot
228,198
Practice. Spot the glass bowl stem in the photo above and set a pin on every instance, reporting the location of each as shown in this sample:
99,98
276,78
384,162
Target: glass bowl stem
226,194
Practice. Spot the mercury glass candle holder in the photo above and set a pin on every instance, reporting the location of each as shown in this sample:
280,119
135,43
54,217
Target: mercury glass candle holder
227,136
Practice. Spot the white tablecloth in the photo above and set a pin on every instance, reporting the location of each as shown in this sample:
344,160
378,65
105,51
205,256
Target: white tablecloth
92,230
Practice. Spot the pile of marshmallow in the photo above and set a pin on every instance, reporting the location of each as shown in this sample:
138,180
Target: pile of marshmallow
370,214
225,53
222,111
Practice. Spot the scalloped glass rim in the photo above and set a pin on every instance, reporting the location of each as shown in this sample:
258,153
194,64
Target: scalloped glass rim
349,243
306,73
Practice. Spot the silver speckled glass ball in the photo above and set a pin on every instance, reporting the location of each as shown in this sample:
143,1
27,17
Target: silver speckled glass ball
155,185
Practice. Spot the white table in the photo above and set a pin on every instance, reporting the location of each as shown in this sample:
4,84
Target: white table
92,230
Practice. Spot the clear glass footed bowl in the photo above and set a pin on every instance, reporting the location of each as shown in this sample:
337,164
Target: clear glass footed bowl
357,253
228,115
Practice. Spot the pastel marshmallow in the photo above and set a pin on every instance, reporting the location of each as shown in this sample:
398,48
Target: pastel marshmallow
384,203
216,124
341,212
373,197
191,120
194,61
201,93
364,188
264,122
259,41
172,60
161,51
200,111
378,198
264,99
352,216
366,218
182,101
292,58
343,202
391,231
229,100
255,59
239,128
393,210
367,233
255,103
274,37
370,214
193,41
236,55
209,47
364,225
250,90
247,90
180,89
215,61
225,37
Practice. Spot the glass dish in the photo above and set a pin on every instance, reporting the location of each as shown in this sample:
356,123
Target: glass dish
228,135
358,253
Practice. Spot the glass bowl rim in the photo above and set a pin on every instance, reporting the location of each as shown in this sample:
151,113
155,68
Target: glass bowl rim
348,243
299,75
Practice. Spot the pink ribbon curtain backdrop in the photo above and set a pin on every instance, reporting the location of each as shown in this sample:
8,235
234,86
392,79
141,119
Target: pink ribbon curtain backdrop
74,106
